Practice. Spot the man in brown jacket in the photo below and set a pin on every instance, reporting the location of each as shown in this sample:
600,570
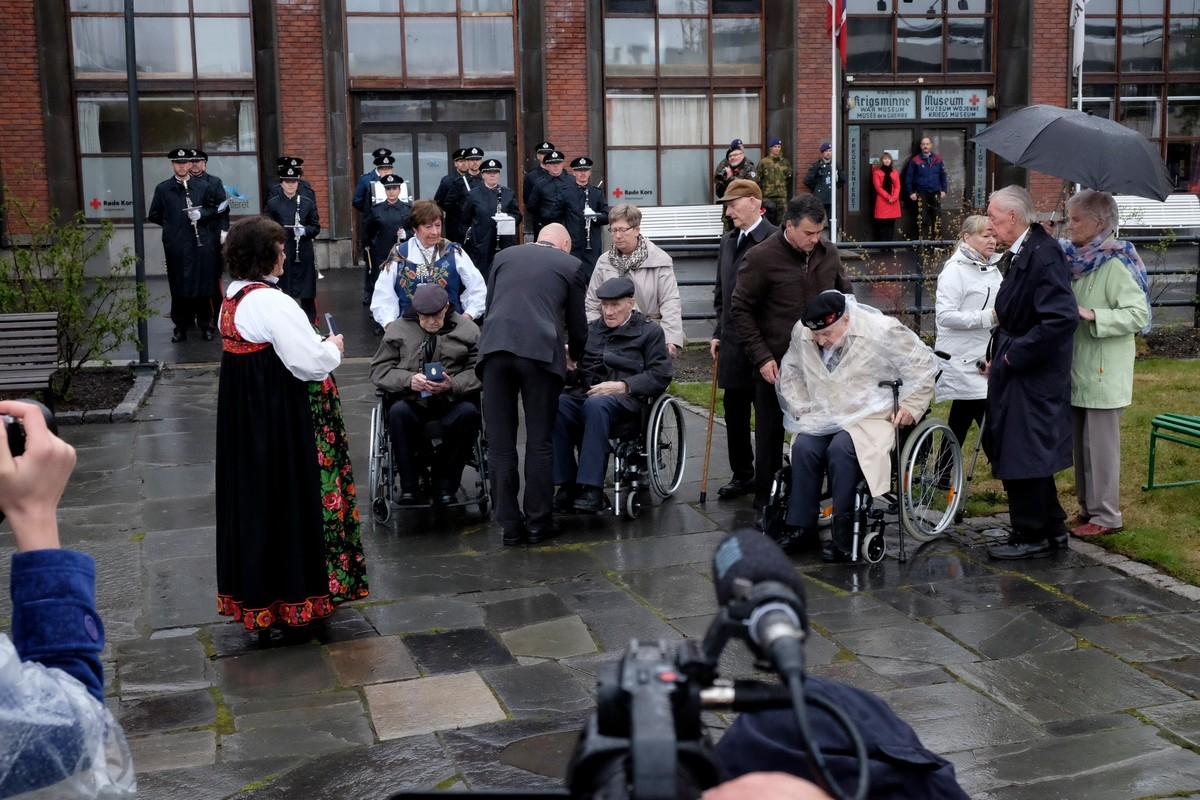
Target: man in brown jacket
775,283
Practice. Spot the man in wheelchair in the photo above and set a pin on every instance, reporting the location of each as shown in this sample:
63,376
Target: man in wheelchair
625,365
836,397
426,364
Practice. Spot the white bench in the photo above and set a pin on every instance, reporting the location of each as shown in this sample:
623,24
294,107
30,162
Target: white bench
1179,212
682,223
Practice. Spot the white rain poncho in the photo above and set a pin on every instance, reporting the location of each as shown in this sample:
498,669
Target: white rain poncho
58,740
874,348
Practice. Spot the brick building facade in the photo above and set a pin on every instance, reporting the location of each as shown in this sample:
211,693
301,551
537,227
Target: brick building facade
653,90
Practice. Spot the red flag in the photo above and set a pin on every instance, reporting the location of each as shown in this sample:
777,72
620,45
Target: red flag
837,26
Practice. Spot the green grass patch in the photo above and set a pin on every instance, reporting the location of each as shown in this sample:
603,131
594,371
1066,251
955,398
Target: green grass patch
1162,526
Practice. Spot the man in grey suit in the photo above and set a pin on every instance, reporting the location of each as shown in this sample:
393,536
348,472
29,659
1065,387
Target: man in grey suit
535,323
735,373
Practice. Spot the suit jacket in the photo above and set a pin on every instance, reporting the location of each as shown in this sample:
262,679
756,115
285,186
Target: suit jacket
535,307
1029,383
734,371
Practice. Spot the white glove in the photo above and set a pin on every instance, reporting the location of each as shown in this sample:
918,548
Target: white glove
298,230
223,235
401,235
194,214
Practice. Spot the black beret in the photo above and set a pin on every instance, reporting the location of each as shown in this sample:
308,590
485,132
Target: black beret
824,310
615,289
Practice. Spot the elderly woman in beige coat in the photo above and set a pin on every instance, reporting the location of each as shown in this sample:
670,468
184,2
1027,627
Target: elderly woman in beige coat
843,419
656,293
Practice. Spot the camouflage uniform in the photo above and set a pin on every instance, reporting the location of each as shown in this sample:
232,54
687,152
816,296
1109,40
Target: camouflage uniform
775,179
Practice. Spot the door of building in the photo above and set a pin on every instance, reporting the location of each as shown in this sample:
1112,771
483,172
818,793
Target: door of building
423,129
903,142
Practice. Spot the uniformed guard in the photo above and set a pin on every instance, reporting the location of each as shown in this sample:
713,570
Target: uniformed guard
585,210
298,216
367,193
218,225
547,200
775,177
182,206
735,165
387,225
530,182
452,191
276,187
493,217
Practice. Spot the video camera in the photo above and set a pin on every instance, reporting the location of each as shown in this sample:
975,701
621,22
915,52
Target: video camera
646,740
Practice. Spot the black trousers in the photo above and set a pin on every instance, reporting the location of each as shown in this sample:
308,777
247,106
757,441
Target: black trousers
768,439
1033,509
505,378
407,423
929,210
962,414
739,401
188,311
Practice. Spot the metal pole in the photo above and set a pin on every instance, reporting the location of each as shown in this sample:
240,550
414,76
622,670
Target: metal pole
139,201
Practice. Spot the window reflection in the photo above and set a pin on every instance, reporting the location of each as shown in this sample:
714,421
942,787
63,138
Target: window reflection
98,45
628,47
487,46
868,45
372,46
164,46
736,46
429,46
1142,45
683,46
919,45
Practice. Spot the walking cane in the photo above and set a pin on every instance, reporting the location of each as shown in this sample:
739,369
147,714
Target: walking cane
712,409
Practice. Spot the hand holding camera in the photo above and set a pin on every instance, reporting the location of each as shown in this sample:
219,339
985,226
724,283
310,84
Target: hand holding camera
34,468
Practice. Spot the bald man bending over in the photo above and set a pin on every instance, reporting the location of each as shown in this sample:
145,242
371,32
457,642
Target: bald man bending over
535,322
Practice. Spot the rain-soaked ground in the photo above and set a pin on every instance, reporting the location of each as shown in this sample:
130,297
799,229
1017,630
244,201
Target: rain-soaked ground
472,665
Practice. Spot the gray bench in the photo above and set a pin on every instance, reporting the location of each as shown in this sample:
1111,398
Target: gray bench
687,224
1179,212
29,353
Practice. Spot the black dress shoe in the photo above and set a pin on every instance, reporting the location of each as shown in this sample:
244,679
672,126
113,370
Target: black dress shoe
408,498
543,534
797,540
1018,550
735,488
1060,541
179,336
564,498
591,500
447,497
208,335
516,537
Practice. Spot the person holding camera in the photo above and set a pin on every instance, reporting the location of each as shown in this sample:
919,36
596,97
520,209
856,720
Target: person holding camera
58,735
625,365
426,364
966,294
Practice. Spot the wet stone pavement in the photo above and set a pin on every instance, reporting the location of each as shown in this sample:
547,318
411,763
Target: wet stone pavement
472,665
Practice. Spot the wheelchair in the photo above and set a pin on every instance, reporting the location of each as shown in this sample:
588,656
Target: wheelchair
648,452
925,494
382,471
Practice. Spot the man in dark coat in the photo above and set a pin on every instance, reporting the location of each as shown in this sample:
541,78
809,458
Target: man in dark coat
735,374
530,182
218,225
306,189
452,191
1028,435
485,234
774,285
625,365
535,322
182,207
368,192
545,202
581,208
298,216
386,225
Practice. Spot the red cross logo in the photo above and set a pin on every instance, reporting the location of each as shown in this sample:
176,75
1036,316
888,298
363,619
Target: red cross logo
617,193
974,100
95,204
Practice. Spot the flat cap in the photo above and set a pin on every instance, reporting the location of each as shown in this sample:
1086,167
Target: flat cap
615,289
740,188
429,298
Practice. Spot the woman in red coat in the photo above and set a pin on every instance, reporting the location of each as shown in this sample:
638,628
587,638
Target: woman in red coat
887,199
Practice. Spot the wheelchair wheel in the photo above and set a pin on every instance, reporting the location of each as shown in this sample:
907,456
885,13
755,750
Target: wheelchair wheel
775,511
931,480
376,463
380,468
633,504
873,547
666,446
482,486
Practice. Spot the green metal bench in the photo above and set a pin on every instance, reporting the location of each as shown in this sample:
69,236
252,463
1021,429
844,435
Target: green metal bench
1178,428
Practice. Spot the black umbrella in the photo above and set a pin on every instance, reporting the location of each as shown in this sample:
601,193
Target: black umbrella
1094,152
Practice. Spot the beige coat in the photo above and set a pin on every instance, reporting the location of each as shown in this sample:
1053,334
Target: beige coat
655,291
819,402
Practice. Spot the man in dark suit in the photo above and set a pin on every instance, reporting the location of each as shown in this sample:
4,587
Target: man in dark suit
735,373
535,322
1028,435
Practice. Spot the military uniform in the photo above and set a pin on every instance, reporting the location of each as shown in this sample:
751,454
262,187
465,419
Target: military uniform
218,225
382,228
479,210
299,279
451,192
775,179
584,227
530,181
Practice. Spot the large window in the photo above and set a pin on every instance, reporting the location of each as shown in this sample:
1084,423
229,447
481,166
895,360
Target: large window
456,41
683,79
919,37
1141,64
195,90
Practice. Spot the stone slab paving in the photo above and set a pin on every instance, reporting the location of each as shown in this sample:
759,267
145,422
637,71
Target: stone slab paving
472,666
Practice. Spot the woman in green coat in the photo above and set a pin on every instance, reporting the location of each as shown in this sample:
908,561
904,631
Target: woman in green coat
1112,290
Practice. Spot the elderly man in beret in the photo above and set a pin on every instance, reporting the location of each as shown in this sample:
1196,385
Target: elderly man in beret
625,365
843,419
426,364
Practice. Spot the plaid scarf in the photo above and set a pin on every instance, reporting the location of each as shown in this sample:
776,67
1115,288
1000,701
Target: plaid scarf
626,264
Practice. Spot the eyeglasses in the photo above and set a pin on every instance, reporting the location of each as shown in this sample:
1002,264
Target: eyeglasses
621,231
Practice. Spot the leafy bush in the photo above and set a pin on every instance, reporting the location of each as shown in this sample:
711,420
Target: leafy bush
47,272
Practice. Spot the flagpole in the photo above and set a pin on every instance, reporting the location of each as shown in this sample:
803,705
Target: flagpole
1079,7
833,119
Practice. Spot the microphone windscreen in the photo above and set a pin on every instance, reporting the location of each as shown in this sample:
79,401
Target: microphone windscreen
754,556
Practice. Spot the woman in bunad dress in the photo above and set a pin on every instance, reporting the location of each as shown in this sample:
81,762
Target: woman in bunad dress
289,544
